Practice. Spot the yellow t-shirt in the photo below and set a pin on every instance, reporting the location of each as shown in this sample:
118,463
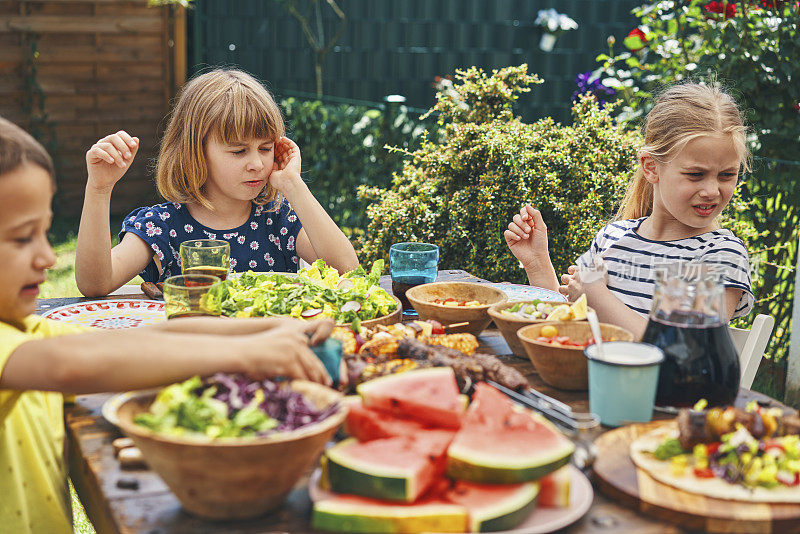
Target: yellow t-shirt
34,496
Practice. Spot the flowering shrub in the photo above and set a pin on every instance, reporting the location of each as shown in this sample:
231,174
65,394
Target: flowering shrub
461,190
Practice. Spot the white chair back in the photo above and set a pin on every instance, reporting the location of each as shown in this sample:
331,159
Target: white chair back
751,344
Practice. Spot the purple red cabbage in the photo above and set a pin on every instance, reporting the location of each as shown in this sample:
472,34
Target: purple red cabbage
290,408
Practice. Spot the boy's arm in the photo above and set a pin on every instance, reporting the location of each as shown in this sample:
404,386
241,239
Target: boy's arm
148,357
317,330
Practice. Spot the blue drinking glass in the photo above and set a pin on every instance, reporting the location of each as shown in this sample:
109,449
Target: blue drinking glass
412,264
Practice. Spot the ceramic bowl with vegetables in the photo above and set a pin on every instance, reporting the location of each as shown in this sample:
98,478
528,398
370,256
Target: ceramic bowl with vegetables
454,303
556,350
511,316
316,292
229,447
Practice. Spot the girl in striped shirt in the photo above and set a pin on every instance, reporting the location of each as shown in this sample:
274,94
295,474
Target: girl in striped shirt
694,148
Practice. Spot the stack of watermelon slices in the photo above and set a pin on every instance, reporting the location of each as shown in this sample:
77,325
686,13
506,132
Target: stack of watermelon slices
419,460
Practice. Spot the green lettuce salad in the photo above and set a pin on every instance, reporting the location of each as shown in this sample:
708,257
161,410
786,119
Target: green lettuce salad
315,292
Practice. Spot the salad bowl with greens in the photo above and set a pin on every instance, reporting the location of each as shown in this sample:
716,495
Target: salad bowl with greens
315,292
229,447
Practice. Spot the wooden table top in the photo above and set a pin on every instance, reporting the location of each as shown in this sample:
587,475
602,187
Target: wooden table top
152,508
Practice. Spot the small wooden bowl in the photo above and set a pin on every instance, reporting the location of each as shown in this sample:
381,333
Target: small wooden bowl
562,366
509,324
477,317
233,478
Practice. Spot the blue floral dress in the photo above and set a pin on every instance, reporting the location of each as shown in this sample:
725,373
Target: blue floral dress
266,242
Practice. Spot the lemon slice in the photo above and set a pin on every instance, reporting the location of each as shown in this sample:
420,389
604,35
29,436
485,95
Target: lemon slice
560,313
579,308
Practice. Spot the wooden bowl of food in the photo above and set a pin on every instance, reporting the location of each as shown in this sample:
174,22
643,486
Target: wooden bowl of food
559,358
233,478
511,316
452,303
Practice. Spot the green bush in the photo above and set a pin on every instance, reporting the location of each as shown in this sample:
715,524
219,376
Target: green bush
343,147
461,190
754,51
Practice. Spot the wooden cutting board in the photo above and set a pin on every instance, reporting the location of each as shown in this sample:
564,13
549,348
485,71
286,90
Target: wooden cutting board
619,478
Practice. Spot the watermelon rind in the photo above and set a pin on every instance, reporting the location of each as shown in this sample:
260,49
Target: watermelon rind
509,514
339,515
347,474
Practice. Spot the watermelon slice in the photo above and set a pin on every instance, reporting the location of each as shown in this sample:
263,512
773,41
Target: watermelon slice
347,513
494,507
554,490
366,424
429,396
501,443
396,469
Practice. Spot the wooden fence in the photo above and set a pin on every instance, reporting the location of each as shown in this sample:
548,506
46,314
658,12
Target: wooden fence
74,71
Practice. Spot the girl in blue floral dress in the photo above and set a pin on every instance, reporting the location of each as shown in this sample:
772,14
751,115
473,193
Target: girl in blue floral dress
227,172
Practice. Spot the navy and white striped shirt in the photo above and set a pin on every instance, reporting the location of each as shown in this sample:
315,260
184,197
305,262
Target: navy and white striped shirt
632,261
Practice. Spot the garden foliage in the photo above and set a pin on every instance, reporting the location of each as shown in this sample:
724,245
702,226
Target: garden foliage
343,147
461,189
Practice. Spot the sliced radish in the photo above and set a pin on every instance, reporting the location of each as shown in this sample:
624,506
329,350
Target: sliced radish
351,306
345,283
311,312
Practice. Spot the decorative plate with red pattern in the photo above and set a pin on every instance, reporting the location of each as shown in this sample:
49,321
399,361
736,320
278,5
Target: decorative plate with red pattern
110,314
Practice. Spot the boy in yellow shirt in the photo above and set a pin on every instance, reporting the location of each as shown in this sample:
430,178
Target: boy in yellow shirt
40,360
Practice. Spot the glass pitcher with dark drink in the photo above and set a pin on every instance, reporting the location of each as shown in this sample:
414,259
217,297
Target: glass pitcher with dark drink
689,322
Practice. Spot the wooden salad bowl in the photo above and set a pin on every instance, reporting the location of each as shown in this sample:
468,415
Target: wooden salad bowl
565,367
477,318
233,478
509,325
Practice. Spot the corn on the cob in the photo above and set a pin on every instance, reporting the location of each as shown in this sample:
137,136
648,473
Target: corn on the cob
466,343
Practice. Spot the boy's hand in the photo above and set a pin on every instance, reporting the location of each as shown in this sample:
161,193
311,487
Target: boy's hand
109,159
286,169
526,237
284,351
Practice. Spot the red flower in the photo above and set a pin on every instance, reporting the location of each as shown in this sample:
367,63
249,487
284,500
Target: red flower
636,40
719,7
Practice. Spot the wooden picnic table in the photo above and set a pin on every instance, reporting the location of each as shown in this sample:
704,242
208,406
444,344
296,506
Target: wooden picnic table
152,508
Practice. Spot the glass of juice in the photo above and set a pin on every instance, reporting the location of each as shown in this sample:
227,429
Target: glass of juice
192,295
412,264
206,256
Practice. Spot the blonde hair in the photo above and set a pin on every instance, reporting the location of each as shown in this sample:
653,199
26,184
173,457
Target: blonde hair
228,104
682,113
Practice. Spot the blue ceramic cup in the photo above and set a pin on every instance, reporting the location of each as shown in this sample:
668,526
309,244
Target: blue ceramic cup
622,382
329,353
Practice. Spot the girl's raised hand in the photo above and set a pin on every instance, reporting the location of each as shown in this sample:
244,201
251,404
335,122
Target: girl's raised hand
526,236
286,169
109,159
